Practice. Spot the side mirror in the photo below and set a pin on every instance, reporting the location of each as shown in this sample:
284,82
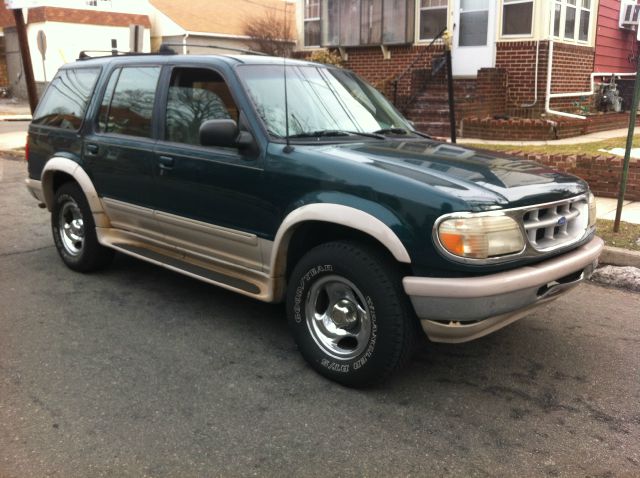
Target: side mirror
224,133
221,132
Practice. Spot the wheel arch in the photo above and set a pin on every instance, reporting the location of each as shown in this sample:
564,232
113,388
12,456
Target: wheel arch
56,171
359,222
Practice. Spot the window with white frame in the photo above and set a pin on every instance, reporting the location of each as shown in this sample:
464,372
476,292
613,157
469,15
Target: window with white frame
572,19
517,17
433,18
311,22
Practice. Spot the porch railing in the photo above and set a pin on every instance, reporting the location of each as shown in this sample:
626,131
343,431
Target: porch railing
409,68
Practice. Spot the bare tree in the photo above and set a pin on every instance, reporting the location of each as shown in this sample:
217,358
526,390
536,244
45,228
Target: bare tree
271,33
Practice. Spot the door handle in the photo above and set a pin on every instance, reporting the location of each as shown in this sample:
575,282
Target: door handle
92,149
166,163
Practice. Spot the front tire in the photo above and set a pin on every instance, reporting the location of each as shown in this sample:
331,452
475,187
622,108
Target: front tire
349,314
74,231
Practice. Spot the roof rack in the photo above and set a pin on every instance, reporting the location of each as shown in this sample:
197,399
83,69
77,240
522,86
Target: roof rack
84,54
166,48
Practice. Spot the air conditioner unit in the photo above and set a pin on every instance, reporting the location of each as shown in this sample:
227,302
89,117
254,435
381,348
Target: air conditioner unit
629,13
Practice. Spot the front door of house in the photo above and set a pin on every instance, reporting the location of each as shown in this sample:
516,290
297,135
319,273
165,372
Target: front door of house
473,36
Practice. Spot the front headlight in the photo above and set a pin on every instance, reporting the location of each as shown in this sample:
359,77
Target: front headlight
592,210
481,237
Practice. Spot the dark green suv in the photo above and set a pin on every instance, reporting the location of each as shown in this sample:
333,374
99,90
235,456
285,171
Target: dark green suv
329,201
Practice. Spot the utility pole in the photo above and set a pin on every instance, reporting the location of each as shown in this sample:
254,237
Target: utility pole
627,151
21,29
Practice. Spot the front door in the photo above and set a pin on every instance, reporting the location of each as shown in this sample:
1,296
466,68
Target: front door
210,202
473,36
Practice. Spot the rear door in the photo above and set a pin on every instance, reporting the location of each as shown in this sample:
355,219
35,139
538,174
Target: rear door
119,151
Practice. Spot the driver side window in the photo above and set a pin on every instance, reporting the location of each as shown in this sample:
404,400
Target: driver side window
195,96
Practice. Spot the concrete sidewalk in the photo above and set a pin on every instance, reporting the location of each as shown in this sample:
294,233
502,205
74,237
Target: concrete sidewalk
606,209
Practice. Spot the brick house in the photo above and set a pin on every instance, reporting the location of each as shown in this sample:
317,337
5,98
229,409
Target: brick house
503,51
70,26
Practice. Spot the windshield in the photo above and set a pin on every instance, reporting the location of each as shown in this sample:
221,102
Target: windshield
320,99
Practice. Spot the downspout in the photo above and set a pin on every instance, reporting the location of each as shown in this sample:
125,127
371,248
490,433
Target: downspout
535,89
184,43
548,96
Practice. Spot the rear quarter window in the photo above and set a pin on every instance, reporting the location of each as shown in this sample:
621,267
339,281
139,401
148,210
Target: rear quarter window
65,101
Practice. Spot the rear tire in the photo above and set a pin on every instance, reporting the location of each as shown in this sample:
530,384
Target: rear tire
74,231
348,313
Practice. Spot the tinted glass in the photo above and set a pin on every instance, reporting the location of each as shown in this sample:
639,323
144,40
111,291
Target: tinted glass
66,98
195,96
131,108
106,101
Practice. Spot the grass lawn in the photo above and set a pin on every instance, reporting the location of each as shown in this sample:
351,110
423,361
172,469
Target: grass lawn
581,148
628,237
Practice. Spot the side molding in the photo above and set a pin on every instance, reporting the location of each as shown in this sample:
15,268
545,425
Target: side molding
336,214
74,170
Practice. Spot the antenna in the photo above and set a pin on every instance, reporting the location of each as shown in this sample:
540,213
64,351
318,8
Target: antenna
288,148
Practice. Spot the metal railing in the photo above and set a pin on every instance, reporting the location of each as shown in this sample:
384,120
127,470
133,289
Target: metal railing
409,68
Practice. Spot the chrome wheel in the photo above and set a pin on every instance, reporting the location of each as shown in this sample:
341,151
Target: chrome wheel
338,317
71,227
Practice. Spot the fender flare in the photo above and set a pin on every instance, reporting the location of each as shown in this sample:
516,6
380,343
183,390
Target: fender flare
73,169
335,214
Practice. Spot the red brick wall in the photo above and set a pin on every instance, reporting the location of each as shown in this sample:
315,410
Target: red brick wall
601,172
500,90
572,67
518,59
524,129
369,63
4,75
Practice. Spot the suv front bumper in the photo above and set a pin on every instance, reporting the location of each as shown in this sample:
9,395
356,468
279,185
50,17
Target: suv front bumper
461,309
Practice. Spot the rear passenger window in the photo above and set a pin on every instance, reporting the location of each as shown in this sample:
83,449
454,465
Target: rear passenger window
195,96
65,101
127,106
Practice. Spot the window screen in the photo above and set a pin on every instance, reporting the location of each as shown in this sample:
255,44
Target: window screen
517,17
66,98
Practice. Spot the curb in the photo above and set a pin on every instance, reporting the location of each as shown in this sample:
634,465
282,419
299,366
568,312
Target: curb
616,256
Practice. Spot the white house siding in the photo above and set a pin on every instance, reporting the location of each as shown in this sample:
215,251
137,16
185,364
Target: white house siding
66,40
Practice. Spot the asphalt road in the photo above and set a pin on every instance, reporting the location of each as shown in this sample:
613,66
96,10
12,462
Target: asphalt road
138,371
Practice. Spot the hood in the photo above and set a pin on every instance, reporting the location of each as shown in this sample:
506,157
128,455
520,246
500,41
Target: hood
482,178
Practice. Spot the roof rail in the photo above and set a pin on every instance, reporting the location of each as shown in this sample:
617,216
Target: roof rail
166,48
84,54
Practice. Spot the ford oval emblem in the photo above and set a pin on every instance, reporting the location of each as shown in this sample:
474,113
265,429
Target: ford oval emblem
562,221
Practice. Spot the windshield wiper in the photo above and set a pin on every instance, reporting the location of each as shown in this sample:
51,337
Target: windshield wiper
401,132
392,131
334,132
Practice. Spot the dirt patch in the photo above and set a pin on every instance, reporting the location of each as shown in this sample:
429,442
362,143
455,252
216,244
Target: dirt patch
628,237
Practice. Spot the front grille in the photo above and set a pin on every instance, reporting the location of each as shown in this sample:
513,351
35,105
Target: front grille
551,226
